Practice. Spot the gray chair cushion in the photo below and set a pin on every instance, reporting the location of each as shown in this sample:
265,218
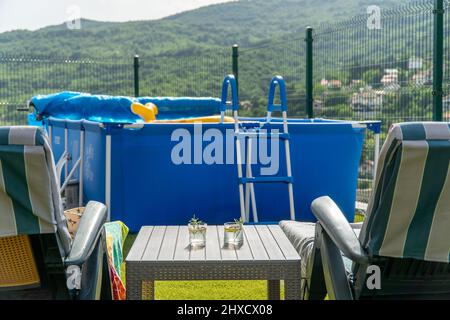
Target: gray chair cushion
301,235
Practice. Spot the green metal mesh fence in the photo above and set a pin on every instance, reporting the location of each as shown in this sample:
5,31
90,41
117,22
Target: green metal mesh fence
365,73
446,77
192,74
257,66
188,73
23,77
376,70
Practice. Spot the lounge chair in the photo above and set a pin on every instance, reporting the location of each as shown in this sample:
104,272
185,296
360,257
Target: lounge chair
38,257
401,251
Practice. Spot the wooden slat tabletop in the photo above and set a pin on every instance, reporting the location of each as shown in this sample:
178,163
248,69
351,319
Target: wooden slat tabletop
256,246
262,243
212,249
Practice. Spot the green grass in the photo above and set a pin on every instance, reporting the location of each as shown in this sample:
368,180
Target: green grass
211,290
206,290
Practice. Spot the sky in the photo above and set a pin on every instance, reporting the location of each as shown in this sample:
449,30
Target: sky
35,14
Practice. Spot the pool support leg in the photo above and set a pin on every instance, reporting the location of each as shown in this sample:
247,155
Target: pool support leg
108,175
81,180
66,151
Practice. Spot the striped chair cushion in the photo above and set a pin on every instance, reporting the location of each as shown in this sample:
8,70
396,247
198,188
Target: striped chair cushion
409,210
29,195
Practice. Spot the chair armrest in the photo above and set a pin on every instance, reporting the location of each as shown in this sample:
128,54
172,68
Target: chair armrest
338,229
89,231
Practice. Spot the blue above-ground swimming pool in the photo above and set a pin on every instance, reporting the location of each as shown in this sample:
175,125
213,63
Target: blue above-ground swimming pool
131,169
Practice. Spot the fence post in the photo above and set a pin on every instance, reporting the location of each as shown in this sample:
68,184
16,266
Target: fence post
438,57
236,66
136,76
309,73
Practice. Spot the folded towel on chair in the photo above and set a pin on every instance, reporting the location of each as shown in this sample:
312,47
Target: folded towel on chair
115,235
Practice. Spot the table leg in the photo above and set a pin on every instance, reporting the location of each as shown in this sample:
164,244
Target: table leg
292,289
273,289
134,288
148,290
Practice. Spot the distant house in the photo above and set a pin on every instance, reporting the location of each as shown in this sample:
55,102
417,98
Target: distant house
367,99
415,63
390,80
331,84
423,78
391,72
356,83
366,169
246,105
390,77
392,87
447,116
335,84
446,104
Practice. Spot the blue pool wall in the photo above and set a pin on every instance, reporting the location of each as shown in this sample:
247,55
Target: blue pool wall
94,153
148,189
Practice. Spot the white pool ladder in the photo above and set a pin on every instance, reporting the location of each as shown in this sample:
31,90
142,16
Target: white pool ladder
249,135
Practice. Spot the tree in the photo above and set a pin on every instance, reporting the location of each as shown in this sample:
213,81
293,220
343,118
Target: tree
372,76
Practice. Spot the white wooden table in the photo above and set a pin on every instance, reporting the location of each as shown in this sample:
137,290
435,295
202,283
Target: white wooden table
163,254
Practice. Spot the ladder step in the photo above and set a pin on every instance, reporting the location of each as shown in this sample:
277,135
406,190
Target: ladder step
282,136
266,180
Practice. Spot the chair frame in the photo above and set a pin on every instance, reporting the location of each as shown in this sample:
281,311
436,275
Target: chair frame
399,278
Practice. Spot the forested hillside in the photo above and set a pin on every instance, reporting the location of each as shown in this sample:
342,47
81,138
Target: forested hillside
188,54
245,22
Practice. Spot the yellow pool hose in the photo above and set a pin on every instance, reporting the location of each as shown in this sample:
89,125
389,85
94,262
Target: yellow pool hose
211,119
149,112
